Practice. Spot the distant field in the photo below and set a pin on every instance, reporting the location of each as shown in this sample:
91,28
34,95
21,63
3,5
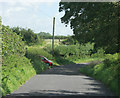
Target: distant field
47,42
56,41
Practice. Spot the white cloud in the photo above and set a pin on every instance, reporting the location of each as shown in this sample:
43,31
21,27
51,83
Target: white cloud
19,9
32,15
12,10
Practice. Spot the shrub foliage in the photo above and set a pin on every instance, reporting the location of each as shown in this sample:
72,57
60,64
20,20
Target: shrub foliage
107,72
16,68
12,43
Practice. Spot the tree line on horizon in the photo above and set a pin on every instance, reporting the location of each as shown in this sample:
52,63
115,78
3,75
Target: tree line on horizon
45,35
29,36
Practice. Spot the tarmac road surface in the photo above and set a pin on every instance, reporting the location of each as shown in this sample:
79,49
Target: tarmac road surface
62,81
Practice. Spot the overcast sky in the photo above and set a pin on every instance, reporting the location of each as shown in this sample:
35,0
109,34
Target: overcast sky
36,15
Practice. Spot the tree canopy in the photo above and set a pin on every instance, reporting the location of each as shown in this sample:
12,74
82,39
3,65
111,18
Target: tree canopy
45,35
27,35
93,22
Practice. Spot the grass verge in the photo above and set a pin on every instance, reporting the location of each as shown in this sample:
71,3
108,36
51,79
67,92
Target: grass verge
86,60
106,72
15,71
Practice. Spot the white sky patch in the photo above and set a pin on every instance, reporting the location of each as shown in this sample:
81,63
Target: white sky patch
13,10
60,27
37,16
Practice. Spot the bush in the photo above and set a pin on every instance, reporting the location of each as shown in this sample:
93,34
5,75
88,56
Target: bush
28,36
78,51
36,51
100,53
107,72
48,48
12,43
65,50
16,68
38,65
34,54
15,71
69,41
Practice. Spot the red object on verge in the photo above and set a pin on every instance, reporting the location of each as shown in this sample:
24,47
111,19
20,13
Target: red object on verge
45,60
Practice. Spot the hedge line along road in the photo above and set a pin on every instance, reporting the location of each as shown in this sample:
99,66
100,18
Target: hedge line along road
61,81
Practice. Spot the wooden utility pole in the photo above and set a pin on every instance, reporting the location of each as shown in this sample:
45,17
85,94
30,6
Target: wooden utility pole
53,36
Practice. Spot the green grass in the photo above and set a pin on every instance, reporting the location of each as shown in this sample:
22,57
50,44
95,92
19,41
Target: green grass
56,41
46,51
15,71
33,53
106,72
86,60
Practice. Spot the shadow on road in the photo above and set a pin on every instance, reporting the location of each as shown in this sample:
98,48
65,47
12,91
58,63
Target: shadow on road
56,93
71,69
63,81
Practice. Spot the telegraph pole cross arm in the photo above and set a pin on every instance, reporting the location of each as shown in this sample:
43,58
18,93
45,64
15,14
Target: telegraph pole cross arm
53,36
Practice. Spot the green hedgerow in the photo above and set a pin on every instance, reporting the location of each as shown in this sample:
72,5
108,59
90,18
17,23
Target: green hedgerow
107,72
14,74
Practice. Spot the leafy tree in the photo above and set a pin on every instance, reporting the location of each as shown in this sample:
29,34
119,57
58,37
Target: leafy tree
27,35
12,44
93,22
61,37
45,35
16,68
70,40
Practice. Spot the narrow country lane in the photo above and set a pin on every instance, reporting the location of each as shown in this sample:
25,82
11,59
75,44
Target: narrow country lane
62,81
